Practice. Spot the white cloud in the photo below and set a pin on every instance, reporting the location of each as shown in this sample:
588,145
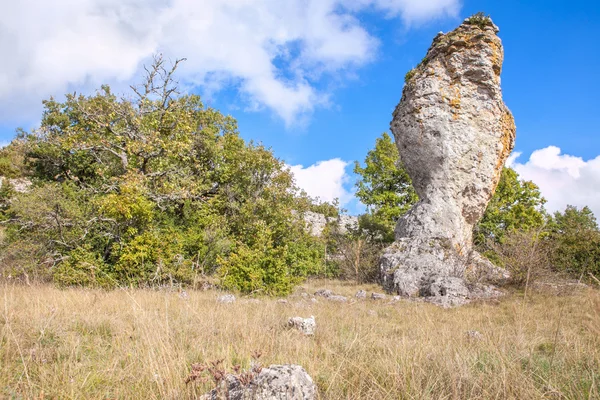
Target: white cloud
271,50
563,179
414,11
324,180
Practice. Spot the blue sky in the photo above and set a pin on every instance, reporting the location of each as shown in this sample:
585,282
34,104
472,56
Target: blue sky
318,80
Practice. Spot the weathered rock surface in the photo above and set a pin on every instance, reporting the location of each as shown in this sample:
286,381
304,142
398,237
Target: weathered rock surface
324,293
278,382
338,298
316,222
453,133
226,299
361,294
305,325
20,185
377,296
329,295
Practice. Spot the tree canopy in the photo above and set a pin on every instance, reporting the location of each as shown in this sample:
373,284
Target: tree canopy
576,241
384,187
154,188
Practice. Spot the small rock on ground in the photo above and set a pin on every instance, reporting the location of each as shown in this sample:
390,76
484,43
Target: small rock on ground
338,298
278,382
377,296
305,325
474,335
324,293
226,299
361,294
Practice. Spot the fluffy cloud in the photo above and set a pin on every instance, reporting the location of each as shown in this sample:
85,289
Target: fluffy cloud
274,52
562,178
324,180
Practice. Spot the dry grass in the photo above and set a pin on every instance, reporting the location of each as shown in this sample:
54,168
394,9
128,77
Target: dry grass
140,344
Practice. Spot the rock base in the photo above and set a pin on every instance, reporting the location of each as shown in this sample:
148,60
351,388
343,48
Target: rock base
438,272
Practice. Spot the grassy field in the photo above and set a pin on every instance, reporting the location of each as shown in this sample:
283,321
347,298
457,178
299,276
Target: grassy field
139,344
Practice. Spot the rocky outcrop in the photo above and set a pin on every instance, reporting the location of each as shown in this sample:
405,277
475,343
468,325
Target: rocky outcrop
453,133
19,185
278,382
316,222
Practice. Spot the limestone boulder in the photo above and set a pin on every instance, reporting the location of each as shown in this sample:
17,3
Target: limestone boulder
305,325
278,382
226,299
454,134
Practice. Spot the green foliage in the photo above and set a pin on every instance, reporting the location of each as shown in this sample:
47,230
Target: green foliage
480,20
306,257
329,210
409,75
154,189
575,242
266,269
83,267
153,258
516,205
384,187
259,268
12,159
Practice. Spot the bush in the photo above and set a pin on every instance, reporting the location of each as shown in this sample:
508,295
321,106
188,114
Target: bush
480,20
24,261
83,267
258,269
575,242
262,267
153,258
524,254
153,189
353,255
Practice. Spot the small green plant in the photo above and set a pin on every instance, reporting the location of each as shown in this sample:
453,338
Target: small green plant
409,75
82,267
480,20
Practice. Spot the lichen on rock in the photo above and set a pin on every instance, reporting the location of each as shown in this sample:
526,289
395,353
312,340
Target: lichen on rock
454,134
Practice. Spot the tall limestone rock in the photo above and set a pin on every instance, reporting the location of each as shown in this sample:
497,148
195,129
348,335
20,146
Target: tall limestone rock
454,134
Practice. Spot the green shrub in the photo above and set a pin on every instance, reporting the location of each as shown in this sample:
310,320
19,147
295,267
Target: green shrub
480,20
409,75
153,189
305,256
575,239
260,268
83,267
153,258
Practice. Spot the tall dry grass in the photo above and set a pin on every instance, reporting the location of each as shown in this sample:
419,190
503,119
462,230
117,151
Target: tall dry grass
139,344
